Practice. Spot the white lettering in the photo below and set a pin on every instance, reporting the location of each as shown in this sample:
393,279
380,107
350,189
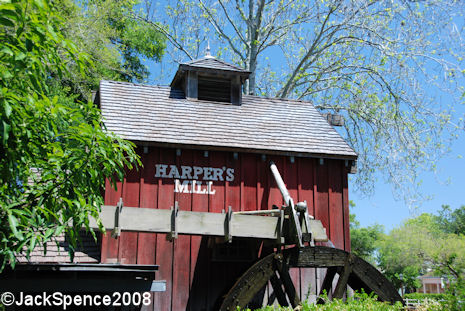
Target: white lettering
187,177
186,172
97,300
209,188
106,300
37,300
77,300
174,173
197,170
199,189
20,301
230,174
181,187
57,298
46,300
161,170
217,174
29,301
67,301
70,302
87,300
207,173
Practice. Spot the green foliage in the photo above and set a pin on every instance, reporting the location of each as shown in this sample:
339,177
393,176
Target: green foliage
452,221
393,69
419,246
114,41
455,298
452,300
427,244
55,153
360,301
421,296
363,241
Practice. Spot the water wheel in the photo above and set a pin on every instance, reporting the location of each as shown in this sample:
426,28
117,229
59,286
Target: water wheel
274,268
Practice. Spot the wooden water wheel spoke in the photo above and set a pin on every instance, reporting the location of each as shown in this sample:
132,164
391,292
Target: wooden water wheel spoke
283,270
278,290
343,279
352,271
327,283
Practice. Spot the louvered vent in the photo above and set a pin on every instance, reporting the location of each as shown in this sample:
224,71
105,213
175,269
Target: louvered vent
216,89
210,79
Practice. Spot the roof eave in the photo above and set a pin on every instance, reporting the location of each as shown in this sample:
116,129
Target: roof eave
243,73
248,150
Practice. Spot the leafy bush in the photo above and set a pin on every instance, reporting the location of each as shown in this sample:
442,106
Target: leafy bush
421,296
360,302
55,153
455,299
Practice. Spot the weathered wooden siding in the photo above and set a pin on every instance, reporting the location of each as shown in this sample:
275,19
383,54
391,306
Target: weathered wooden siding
194,280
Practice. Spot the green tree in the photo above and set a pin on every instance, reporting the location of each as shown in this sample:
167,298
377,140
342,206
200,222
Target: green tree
452,221
386,66
420,246
401,262
114,41
363,241
55,155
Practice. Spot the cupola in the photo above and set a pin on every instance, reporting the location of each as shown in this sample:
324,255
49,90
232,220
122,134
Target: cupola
209,78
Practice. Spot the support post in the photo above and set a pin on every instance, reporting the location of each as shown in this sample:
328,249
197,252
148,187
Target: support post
174,222
279,230
227,225
343,278
117,229
278,290
327,283
291,292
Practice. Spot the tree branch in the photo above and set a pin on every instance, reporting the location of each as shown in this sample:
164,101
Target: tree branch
232,23
171,38
218,29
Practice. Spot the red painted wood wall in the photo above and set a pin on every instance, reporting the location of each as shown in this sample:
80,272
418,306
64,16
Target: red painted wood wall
194,280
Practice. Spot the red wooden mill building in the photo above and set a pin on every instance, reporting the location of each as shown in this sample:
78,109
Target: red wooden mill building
209,222
206,146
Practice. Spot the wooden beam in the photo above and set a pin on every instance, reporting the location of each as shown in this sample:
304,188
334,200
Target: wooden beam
191,87
375,280
195,223
236,90
291,292
363,274
327,283
343,279
316,257
187,222
278,290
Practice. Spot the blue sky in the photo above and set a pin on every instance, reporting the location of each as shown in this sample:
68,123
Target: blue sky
445,186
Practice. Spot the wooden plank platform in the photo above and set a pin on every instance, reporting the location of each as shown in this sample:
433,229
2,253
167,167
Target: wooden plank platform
196,223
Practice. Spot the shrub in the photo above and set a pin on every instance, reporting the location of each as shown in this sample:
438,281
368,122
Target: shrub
421,296
360,302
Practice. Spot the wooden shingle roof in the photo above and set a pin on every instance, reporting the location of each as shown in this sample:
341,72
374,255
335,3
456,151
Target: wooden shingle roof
213,63
88,251
158,114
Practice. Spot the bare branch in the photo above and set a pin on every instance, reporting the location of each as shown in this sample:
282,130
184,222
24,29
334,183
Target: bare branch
285,90
171,38
238,33
220,31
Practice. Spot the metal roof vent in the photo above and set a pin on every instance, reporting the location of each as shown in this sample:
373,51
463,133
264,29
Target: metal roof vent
209,78
334,119
208,54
